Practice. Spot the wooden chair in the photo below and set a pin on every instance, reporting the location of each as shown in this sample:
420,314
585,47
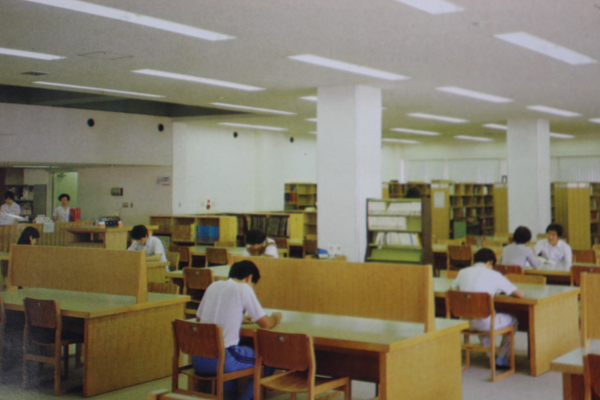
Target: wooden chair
576,271
173,257
195,282
282,243
43,334
459,257
294,353
216,256
310,245
454,242
471,305
168,288
591,375
533,279
472,240
584,256
451,274
185,257
201,340
509,269
596,249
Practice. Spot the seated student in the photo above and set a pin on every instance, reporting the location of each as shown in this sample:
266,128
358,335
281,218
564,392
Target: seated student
9,206
482,278
257,244
224,304
153,247
62,212
554,249
28,236
518,252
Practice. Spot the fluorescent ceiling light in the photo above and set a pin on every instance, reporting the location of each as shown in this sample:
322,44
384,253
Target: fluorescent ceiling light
561,135
309,98
403,141
266,128
197,79
415,131
248,108
432,6
313,132
496,126
29,54
438,118
474,95
311,119
134,18
555,111
95,89
545,47
473,138
344,66
32,166
595,120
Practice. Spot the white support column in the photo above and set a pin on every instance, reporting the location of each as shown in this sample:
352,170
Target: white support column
528,161
348,165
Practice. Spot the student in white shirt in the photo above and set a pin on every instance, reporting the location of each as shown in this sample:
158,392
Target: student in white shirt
257,244
153,247
9,206
555,249
62,212
482,278
518,252
224,304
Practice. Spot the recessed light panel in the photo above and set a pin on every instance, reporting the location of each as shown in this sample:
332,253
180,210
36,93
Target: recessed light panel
473,94
311,119
248,108
561,136
133,18
347,67
473,138
496,126
554,111
403,141
595,120
29,54
197,79
95,89
432,6
309,98
415,131
438,118
261,127
533,43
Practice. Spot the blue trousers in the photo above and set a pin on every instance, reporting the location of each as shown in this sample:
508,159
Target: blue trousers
236,358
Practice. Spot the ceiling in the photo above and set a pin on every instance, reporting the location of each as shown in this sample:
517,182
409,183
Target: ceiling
453,49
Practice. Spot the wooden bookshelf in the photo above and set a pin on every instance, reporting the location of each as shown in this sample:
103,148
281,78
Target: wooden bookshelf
474,203
398,190
194,230
572,207
31,198
298,196
399,230
440,210
595,212
500,198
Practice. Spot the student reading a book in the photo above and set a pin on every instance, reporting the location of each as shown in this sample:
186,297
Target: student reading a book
518,252
554,249
9,206
155,251
28,236
62,212
257,244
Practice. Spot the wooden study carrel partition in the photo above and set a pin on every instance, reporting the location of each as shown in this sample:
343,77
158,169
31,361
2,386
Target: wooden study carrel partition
119,272
372,290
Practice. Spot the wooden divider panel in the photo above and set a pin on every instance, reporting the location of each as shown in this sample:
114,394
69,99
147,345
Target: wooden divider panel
590,307
373,290
105,271
9,234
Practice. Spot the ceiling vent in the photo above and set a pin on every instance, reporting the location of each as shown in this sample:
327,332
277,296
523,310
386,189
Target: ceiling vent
35,73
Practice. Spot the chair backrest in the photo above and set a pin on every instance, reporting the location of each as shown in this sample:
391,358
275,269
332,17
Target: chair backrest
576,271
584,256
451,274
310,245
460,256
173,258
282,243
42,313
159,287
197,278
509,269
216,256
198,339
533,279
469,305
472,239
454,242
289,351
591,371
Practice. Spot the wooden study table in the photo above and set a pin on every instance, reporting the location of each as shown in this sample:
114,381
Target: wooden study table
571,366
125,343
549,313
405,362
232,251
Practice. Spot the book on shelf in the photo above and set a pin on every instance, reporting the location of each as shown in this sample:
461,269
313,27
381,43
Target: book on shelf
377,207
258,222
390,222
277,226
397,239
405,208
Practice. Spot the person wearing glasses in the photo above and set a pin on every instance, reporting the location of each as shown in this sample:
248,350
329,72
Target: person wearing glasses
257,244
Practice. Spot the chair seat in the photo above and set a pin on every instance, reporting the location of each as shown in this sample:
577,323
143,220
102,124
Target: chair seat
47,338
497,332
190,371
297,382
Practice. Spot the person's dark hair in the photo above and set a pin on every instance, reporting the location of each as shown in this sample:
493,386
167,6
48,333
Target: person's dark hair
522,235
484,255
243,269
28,232
9,195
138,232
64,195
556,228
254,236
